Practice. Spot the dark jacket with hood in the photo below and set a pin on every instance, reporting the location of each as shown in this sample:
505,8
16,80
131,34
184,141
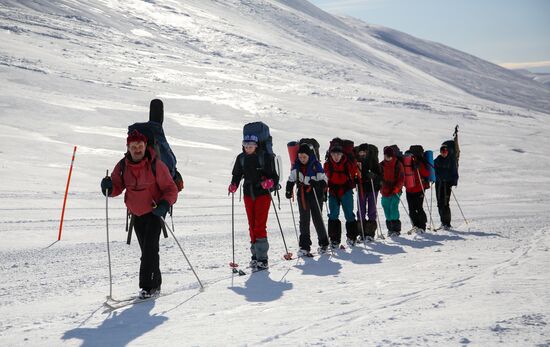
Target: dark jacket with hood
445,170
249,167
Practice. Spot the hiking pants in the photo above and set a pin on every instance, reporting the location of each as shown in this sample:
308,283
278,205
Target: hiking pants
367,205
443,194
257,211
416,209
391,206
147,229
311,209
347,205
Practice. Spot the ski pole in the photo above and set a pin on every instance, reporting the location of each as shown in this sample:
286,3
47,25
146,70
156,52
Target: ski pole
406,211
294,220
431,199
360,218
234,265
288,255
380,234
184,255
172,217
425,199
108,247
454,196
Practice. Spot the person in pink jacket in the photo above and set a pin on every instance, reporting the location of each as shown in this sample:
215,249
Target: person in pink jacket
149,193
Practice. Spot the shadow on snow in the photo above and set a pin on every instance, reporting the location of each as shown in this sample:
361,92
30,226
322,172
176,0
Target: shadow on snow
320,266
259,287
120,328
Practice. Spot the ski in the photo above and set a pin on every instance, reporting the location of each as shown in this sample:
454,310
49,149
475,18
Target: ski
239,271
306,255
112,304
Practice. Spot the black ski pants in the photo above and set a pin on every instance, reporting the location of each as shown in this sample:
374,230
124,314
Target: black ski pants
311,209
443,194
416,209
147,229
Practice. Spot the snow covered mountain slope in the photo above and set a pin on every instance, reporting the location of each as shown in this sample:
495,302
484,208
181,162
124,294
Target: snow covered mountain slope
79,72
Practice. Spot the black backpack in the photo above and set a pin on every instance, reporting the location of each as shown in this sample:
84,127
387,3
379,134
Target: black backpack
397,152
372,151
265,140
313,145
348,148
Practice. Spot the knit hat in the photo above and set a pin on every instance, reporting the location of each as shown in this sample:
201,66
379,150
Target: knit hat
337,149
389,151
136,136
156,111
305,149
250,138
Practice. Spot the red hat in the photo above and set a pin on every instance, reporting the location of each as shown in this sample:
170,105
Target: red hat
136,136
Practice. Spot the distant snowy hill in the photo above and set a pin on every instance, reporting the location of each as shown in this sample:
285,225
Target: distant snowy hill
540,77
79,72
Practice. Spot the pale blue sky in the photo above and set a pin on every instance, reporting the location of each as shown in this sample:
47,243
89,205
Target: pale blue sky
501,31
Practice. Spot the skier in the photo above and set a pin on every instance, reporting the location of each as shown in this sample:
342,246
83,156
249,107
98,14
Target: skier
342,174
415,191
311,181
446,177
150,191
371,176
259,181
392,182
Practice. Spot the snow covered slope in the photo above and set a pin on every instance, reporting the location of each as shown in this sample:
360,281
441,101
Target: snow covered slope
78,72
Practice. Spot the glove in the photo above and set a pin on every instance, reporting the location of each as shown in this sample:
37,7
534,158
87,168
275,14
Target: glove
232,188
106,185
179,181
267,184
396,191
162,208
288,194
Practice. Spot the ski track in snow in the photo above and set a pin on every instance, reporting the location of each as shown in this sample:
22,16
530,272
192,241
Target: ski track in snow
80,72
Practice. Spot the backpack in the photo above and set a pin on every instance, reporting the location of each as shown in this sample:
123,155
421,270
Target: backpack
453,147
372,152
399,156
397,152
417,151
261,130
157,140
313,145
347,147
265,141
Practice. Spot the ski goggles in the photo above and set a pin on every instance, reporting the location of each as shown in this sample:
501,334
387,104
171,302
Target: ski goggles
444,150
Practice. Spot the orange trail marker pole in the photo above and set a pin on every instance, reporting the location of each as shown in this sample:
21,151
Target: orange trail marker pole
65,198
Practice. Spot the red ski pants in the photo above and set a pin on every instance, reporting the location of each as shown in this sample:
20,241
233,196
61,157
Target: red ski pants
257,211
